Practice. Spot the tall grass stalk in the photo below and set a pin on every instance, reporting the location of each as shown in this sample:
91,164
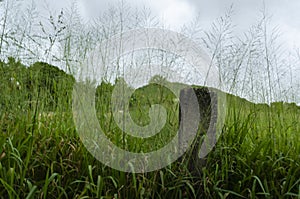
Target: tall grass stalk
42,156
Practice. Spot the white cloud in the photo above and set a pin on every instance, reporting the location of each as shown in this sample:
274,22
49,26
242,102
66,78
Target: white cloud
174,13
90,9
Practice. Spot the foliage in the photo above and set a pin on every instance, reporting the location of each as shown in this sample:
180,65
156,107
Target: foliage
41,155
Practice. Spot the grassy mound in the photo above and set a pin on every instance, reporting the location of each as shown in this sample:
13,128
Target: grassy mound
41,155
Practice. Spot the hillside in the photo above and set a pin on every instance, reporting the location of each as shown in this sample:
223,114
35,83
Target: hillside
41,154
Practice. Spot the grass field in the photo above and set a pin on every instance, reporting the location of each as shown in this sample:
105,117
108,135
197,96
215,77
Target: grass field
42,156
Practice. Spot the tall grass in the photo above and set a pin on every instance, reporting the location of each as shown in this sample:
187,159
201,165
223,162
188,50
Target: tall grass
41,155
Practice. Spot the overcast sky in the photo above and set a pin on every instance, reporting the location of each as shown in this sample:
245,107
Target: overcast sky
285,13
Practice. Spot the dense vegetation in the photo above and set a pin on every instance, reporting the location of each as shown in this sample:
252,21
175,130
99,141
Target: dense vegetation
41,155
